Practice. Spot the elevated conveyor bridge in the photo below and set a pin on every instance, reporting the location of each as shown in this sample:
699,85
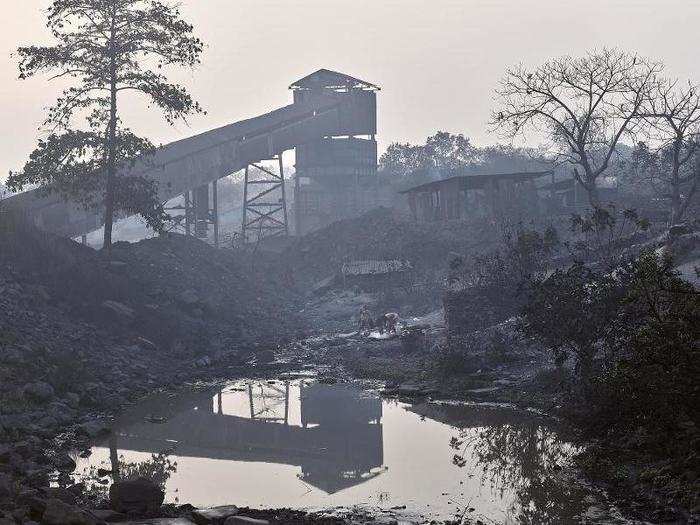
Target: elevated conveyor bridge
322,108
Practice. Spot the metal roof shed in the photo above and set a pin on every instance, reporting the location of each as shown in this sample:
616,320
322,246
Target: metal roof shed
459,196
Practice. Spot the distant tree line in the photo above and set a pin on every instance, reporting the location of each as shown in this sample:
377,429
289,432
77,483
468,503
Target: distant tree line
445,152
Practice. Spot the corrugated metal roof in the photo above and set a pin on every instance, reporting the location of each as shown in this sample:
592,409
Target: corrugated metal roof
479,180
568,183
375,267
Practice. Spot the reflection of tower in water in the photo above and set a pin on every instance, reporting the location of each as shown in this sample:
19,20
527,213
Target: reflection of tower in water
337,439
270,397
347,422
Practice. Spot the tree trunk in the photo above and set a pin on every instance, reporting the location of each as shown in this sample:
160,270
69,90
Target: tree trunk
593,195
111,146
675,204
684,204
114,457
675,189
587,182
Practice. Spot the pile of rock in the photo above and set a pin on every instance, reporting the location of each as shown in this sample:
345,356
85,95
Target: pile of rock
381,234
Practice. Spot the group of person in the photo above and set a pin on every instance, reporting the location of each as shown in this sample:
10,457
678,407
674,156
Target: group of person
385,323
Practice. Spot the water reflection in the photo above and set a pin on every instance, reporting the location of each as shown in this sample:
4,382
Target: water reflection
159,468
337,440
305,444
527,458
516,453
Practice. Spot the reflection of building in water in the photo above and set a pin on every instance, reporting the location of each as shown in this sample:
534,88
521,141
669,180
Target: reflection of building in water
349,423
338,444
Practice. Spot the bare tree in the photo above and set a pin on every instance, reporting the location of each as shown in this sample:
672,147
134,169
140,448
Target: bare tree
673,117
584,105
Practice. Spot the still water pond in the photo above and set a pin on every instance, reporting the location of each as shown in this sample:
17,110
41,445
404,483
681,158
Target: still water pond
303,444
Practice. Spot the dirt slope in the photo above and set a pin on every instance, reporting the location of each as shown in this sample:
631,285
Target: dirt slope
382,234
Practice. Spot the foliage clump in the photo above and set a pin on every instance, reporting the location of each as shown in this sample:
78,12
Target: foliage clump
631,326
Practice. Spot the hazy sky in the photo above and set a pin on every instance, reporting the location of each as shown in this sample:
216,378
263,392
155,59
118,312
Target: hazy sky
437,61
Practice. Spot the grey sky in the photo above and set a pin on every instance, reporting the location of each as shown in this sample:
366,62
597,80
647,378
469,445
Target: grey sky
437,61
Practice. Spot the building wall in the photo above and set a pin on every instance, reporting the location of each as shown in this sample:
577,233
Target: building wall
337,179
451,200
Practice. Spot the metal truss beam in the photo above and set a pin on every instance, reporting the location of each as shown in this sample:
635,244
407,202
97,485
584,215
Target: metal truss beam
264,203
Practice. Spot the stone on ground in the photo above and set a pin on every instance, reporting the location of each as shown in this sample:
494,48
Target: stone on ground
59,513
137,495
161,521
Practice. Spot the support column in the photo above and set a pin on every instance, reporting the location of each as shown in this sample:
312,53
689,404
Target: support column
201,210
215,211
188,225
250,400
297,205
244,231
286,402
264,203
284,196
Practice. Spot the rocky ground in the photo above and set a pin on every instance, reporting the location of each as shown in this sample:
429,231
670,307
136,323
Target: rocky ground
83,335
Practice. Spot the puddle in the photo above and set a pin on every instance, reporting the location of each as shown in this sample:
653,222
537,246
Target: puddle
307,445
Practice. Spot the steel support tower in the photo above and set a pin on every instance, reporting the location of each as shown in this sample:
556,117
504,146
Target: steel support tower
264,202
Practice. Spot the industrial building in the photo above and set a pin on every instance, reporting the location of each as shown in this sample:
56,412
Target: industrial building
481,196
336,176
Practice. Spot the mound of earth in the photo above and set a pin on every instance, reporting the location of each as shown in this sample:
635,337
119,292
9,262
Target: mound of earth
383,234
175,291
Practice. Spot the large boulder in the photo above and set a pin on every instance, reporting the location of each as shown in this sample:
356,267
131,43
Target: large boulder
265,356
138,495
95,428
245,520
161,521
108,516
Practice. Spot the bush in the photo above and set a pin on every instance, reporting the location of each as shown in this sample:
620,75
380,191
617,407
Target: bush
651,380
632,327
573,312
